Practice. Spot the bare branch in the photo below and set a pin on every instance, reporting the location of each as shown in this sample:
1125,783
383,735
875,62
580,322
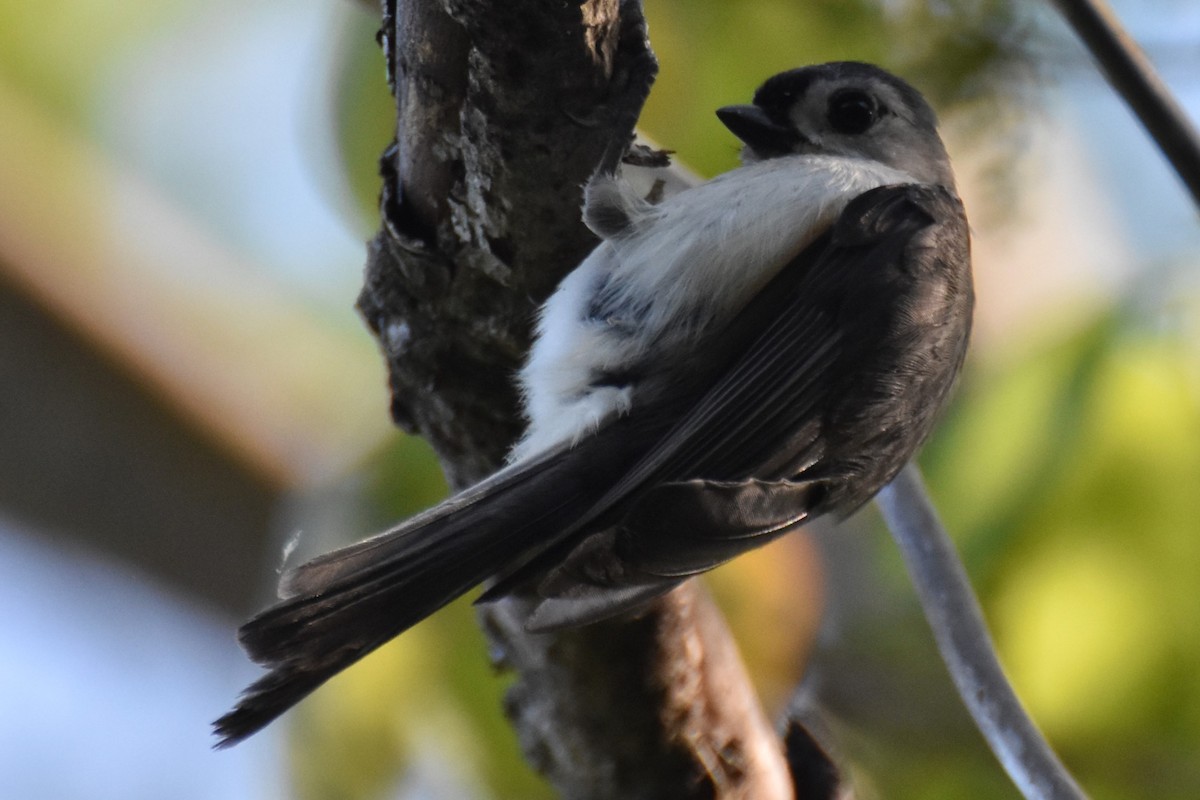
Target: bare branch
962,638
1135,79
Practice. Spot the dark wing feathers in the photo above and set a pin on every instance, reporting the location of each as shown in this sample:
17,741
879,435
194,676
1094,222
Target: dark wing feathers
685,528
800,346
723,465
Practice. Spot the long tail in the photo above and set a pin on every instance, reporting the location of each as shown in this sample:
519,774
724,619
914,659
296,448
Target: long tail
341,606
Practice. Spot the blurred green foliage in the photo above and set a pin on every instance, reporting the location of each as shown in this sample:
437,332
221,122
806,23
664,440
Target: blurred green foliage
60,51
365,118
963,55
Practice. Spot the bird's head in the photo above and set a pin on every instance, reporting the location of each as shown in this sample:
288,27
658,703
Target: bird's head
845,109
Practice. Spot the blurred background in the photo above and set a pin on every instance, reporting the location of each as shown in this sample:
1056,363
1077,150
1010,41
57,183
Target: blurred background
185,188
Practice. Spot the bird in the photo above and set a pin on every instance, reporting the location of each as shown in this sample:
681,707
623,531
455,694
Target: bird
729,363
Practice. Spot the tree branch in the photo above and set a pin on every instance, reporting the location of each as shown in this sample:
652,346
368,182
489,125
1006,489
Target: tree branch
504,110
962,638
1135,79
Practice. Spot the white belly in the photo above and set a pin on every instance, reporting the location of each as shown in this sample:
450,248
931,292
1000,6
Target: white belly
696,258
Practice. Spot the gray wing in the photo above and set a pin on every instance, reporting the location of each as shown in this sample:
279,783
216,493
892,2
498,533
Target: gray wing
837,372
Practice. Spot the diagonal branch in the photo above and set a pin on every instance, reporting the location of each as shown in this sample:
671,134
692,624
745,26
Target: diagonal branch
1135,79
962,638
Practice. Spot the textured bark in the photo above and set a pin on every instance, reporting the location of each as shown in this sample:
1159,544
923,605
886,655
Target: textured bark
656,707
504,110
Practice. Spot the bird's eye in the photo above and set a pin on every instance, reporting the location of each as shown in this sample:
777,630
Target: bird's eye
852,111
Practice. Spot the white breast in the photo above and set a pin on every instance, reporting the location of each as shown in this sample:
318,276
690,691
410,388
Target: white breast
694,259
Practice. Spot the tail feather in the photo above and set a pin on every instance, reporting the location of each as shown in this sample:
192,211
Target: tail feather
265,699
341,606
308,640
324,570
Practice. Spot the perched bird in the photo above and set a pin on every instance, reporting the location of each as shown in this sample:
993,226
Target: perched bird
760,350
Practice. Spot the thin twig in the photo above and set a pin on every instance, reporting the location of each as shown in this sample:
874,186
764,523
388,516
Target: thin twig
942,584
1135,79
962,638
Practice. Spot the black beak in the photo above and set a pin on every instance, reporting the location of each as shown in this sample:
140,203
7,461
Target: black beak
763,134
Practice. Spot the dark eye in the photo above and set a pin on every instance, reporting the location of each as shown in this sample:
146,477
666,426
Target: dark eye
852,111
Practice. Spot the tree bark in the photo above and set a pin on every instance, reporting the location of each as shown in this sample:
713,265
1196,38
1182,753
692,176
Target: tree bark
504,109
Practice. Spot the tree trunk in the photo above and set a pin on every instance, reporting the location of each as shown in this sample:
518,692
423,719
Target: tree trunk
504,110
